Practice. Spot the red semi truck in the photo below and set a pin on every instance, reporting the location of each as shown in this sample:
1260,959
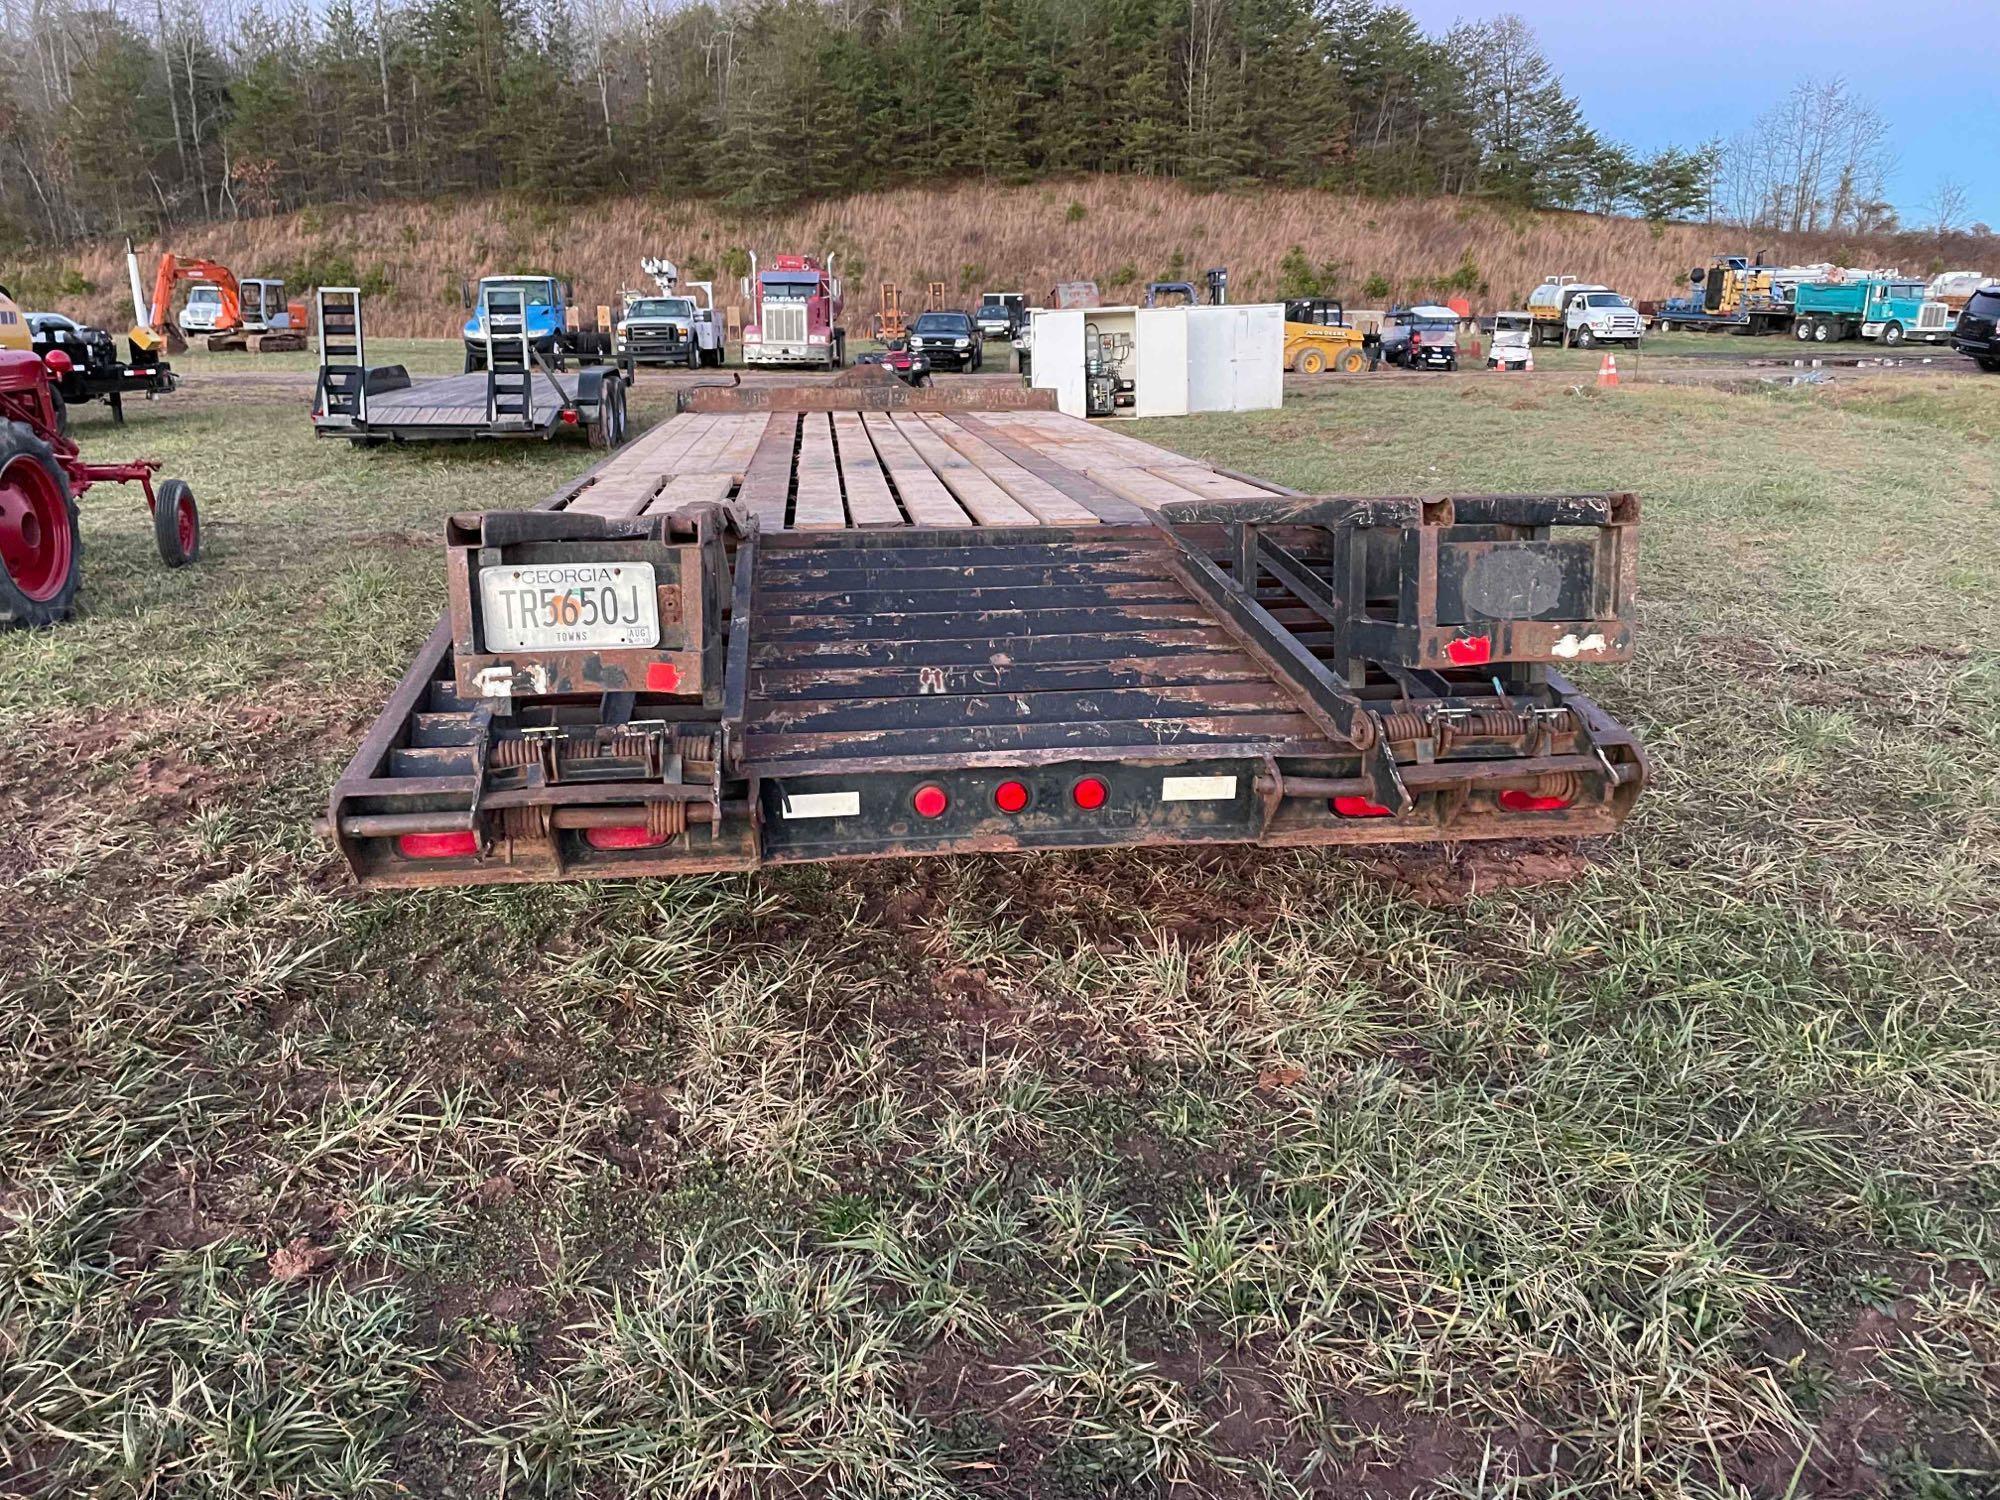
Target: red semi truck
795,310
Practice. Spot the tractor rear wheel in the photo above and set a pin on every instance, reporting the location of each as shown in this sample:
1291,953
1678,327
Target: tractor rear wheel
41,547
1311,361
176,524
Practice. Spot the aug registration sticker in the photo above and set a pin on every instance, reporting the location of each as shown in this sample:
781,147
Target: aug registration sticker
565,606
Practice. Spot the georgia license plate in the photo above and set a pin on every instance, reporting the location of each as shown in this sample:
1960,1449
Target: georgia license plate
569,605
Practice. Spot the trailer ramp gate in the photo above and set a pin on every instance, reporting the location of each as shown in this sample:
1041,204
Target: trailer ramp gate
916,631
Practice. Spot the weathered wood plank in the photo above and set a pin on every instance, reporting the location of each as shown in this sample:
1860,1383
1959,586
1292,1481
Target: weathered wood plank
983,500
869,502
689,489
767,483
1048,503
818,504
923,494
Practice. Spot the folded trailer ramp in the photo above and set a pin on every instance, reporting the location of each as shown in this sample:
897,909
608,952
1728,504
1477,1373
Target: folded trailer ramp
872,639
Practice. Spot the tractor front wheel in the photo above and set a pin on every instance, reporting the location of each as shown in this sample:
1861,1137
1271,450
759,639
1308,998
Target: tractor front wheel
176,524
41,548
1351,362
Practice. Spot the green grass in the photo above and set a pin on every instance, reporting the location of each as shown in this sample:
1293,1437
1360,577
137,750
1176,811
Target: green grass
1222,1173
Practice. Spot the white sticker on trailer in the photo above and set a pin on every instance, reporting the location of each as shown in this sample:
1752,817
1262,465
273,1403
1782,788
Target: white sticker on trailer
823,805
1197,788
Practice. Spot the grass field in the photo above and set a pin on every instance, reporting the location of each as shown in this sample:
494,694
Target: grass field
1665,1166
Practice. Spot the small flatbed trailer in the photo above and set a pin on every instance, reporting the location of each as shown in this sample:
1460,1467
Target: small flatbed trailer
520,393
809,623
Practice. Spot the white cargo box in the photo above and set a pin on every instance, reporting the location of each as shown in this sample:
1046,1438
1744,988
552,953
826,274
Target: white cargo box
1179,359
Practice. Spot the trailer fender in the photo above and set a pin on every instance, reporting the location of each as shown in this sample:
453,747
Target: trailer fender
590,383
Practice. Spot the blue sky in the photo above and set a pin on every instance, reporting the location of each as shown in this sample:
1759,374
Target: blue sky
1917,61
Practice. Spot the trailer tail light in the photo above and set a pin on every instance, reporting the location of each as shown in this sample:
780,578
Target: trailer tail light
438,845
1359,807
1010,796
569,416
1469,650
930,801
1090,793
1518,801
622,836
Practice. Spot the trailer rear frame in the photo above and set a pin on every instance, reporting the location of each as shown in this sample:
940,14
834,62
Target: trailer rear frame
1167,672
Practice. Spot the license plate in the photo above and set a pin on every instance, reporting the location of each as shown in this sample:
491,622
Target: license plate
569,605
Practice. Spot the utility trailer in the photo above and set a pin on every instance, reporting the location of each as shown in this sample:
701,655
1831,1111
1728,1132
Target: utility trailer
518,394
813,623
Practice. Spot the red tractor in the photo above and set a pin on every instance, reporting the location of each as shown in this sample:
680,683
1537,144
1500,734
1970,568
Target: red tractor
42,476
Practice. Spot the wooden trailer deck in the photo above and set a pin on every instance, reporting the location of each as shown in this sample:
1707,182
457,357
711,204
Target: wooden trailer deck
868,470
460,401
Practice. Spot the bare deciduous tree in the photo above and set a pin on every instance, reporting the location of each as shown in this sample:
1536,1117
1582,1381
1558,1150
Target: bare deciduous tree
1815,162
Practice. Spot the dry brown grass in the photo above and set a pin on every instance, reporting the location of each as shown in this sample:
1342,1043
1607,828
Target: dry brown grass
1128,231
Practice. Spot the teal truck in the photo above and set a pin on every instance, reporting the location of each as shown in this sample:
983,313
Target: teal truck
1888,309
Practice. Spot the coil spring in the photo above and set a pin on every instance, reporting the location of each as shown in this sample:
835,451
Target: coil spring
1495,722
666,820
1563,784
1405,726
526,824
508,753
699,746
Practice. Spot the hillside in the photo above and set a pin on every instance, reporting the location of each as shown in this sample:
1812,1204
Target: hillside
1121,232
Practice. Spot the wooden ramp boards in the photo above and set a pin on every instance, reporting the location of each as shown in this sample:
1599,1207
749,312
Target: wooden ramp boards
458,401
862,470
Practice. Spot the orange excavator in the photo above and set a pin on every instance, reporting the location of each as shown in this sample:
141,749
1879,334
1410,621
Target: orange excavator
229,315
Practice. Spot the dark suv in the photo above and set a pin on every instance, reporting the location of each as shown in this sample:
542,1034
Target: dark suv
1978,331
949,340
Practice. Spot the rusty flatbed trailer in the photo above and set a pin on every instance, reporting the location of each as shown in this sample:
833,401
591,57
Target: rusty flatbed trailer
809,622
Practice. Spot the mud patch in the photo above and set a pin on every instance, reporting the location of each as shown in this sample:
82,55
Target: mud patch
1451,875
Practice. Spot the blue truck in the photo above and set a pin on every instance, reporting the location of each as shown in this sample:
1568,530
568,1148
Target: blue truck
1887,309
557,328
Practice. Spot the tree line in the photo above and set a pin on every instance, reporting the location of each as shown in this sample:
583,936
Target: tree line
129,116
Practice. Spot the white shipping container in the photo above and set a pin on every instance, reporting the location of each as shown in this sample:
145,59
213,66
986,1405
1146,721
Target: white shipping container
1179,359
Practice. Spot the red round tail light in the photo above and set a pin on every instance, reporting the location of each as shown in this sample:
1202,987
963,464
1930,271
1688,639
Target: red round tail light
1359,807
1090,793
929,800
1010,796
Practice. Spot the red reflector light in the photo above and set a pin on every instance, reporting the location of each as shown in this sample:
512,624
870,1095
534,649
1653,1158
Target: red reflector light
621,836
1010,796
1359,807
930,801
1469,650
569,416
438,845
1513,801
1089,793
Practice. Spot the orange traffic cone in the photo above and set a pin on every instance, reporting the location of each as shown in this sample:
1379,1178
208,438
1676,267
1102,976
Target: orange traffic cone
1530,365
1607,373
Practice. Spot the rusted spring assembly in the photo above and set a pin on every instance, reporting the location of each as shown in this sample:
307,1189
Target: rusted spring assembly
1496,723
392,825
1560,780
